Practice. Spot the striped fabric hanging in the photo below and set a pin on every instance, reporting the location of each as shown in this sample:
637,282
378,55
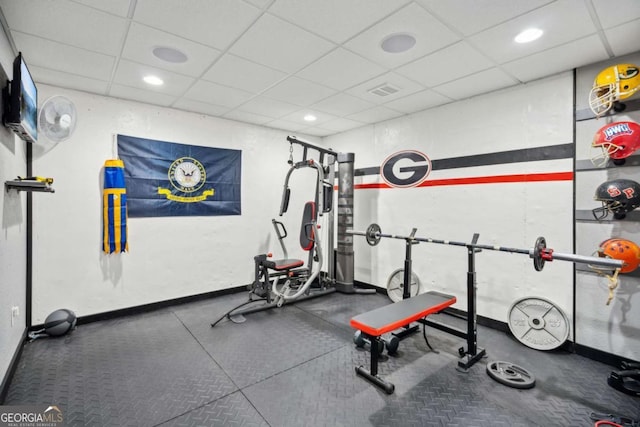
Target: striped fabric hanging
114,202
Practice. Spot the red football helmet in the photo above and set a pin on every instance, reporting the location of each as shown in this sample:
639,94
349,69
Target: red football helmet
623,250
617,141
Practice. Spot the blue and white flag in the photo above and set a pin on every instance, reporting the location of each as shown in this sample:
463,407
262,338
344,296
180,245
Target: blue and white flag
170,179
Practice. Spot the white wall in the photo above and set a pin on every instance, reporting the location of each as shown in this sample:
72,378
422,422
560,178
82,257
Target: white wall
168,257
13,238
514,214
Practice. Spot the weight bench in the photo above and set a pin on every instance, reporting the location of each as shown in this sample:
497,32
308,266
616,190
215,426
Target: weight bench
385,319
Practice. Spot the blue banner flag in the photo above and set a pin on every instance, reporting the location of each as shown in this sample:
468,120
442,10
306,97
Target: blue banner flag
170,179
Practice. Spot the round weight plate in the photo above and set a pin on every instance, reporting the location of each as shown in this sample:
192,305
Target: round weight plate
538,323
395,285
510,375
538,262
372,234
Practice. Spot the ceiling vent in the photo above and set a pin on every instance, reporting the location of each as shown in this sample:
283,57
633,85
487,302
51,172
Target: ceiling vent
384,89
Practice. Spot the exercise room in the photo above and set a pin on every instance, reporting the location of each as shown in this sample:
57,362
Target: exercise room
320,213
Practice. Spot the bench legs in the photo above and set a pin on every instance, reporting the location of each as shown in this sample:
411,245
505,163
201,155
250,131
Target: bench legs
372,374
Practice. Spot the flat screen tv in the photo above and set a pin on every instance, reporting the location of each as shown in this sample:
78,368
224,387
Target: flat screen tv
21,102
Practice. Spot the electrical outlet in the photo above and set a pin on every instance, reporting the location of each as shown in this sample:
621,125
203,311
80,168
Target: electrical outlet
15,313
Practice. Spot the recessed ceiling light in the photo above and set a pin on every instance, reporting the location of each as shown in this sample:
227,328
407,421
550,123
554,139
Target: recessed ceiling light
310,118
153,80
169,54
398,43
528,35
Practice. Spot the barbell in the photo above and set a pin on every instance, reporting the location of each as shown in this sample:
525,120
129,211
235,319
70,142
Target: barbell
540,253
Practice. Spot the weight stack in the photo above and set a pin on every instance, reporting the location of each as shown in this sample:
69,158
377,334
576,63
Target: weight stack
344,254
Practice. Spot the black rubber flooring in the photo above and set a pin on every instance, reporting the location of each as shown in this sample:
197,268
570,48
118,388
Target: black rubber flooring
294,366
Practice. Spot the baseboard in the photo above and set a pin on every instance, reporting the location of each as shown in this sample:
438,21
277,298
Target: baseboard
13,365
601,356
107,315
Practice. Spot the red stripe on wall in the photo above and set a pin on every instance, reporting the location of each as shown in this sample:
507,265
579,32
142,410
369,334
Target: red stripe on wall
531,177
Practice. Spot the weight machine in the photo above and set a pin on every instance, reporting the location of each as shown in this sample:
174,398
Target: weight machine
281,281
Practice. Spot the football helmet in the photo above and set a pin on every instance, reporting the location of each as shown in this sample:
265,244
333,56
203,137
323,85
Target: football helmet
613,84
615,141
618,196
622,250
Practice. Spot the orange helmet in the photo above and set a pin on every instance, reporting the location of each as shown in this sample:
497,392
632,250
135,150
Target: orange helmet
613,84
623,250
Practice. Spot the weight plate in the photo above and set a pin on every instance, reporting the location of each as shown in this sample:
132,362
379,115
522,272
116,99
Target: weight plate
395,285
538,262
538,323
372,234
510,375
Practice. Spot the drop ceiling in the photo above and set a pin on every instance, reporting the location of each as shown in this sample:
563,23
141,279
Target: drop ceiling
272,62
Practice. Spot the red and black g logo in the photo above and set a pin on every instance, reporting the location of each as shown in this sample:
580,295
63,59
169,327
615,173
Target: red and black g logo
408,168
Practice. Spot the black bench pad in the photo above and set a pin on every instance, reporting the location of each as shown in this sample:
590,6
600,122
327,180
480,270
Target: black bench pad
394,316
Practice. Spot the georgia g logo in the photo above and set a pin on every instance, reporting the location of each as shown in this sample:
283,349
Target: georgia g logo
404,169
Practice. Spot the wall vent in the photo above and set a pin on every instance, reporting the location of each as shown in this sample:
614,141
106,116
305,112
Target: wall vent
384,89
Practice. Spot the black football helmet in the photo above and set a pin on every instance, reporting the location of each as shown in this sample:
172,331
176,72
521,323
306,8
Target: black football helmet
618,196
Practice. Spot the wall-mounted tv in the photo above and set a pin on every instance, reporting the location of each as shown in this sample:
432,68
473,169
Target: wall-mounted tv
21,102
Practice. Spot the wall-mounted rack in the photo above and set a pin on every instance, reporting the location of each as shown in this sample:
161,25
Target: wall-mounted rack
40,185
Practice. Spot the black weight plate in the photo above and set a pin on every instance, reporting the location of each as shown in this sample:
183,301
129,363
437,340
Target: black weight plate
372,235
538,262
510,375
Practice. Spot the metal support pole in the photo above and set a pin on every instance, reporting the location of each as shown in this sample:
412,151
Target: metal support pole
344,259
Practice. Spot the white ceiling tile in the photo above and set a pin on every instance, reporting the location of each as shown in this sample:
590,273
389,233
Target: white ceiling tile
242,116
115,7
317,131
611,14
286,125
262,4
341,69
280,45
430,35
200,107
240,73
217,94
131,73
455,61
268,107
375,115
580,52
67,22
561,21
135,94
482,82
341,125
298,91
142,40
625,38
298,117
418,101
64,58
405,86
469,17
213,23
68,80
342,104
337,20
